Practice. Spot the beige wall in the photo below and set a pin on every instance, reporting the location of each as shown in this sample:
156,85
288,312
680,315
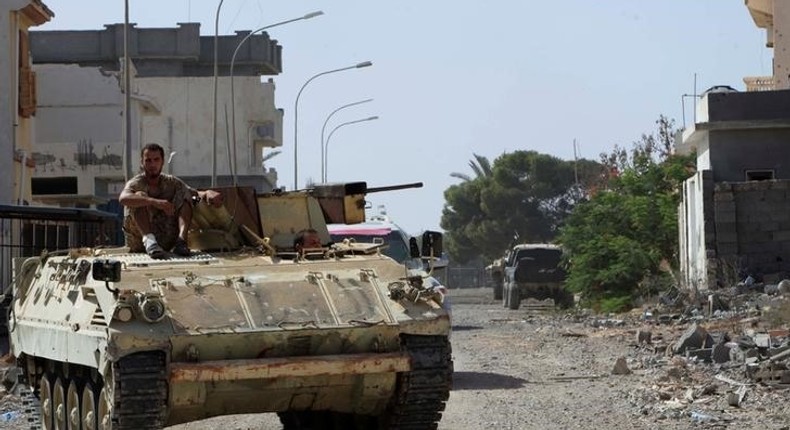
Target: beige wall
774,17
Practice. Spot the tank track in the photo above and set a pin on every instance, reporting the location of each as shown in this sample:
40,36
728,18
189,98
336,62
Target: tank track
140,394
419,397
421,393
31,406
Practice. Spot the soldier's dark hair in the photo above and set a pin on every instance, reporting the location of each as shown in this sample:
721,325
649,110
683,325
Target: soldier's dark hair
153,147
299,239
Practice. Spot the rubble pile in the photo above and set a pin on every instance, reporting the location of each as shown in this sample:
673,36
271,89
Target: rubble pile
714,359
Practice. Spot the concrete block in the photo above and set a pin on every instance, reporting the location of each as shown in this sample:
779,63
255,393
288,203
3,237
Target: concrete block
775,196
754,235
644,337
781,236
727,249
621,367
723,196
757,216
780,214
784,287
695,337
762,340
779,184
725,217
722,187
757,248
724,205
769,226
726,226
727,236
720,353
704,354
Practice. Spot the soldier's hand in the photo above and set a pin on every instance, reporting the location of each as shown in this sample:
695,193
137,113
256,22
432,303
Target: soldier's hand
165,206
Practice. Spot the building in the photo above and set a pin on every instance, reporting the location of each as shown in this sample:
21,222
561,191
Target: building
735,211
79,148
17,94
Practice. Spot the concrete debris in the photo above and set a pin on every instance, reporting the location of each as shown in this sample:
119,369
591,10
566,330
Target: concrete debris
735,398
694,338
643,337
621,367
714,353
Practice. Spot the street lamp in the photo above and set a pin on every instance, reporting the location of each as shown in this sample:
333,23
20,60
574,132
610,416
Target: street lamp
216,73
296,110
323,128
233,61
326,149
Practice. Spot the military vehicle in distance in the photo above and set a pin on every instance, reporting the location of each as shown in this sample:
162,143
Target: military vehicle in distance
339,336
533,270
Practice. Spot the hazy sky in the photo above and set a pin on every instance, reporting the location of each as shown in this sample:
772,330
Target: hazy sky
453,78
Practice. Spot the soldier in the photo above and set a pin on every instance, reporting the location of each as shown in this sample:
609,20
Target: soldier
307,239
158,207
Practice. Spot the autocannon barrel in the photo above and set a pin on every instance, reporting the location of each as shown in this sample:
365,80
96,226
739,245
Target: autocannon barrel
394,187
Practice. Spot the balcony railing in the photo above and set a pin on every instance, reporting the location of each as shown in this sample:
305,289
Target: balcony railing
759,83
28,230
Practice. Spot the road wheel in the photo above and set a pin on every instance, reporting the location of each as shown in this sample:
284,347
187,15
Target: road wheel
59,414
73,406
88,408
45,395
104,411
513,298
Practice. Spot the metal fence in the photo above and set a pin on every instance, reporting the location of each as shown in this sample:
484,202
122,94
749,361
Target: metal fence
466,277
27,231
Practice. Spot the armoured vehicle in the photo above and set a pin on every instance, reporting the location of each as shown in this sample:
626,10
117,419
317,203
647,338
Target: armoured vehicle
496,272
534,271
339,336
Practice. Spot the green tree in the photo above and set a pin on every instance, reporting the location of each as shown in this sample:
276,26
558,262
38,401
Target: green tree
626,230
524,194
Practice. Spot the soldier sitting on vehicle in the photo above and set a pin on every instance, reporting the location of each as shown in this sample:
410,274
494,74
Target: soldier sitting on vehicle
158,207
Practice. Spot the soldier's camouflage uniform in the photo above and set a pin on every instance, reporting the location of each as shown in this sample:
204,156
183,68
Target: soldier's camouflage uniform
163,226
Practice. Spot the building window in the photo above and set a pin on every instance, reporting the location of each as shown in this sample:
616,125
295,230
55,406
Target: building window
759,175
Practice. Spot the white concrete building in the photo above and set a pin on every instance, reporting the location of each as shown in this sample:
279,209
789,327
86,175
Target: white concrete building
79,149
17,95
735,211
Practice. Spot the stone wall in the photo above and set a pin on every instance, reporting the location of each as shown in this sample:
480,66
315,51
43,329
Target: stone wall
752,228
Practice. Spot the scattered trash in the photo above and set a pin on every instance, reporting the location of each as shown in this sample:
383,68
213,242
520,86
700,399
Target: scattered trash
9,416
701,417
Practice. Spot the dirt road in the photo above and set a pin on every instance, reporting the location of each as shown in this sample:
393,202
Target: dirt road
518,370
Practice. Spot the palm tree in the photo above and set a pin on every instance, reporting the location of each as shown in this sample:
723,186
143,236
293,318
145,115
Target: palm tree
480,165
269,156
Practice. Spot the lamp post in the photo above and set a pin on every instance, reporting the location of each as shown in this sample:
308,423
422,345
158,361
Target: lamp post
326,149
216,73
323,128
232,63
296,111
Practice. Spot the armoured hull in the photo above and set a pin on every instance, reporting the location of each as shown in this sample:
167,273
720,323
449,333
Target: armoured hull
347,337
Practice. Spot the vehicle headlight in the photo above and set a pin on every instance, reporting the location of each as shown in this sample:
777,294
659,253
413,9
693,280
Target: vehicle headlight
152,309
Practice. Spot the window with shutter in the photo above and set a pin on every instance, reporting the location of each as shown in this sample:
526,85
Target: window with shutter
27,79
